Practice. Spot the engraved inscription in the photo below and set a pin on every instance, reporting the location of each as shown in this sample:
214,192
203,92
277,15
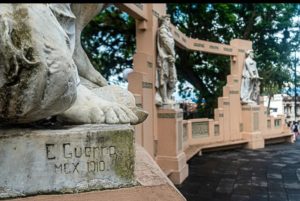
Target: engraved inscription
95,166
69,158
240,50
233,92
49,155
227,49
176,34
214,47
198,45
183,39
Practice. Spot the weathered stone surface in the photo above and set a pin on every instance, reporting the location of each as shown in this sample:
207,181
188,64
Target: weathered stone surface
38,77
41,59
73,159
153,184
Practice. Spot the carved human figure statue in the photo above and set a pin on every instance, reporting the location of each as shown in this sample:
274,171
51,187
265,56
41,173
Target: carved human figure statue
44,71
166,76
250,86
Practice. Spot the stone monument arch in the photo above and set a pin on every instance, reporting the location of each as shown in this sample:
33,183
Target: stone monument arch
93,156
166,136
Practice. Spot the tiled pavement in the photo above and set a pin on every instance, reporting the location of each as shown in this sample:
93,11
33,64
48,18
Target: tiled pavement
269,174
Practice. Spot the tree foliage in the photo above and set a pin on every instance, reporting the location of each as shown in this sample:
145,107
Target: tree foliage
109,42
268,26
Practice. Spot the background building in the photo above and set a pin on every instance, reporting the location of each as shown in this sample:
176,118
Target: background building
283,104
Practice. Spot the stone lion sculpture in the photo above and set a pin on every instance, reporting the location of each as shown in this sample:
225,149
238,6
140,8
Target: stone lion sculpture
44,71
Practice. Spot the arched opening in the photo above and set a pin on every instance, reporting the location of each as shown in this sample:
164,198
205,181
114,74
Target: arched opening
207,75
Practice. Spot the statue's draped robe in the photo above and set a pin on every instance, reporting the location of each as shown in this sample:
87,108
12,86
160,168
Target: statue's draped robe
248,84
166,73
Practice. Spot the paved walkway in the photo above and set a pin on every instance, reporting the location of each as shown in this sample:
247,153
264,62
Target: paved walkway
269,174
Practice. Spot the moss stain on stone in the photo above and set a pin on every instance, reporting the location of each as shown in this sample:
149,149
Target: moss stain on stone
124,166
125,154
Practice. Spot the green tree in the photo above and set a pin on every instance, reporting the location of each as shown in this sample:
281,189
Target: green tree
110,43
268,26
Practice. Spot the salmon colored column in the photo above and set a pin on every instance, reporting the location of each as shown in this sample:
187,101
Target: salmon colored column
142,80
234,80
170,156
248,116
251,122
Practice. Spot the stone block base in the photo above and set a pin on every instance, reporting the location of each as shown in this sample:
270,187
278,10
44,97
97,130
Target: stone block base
72,159
176,165
153,184
177,177
256,140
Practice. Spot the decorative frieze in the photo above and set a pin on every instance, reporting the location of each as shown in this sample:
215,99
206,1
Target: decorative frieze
170,115
147,85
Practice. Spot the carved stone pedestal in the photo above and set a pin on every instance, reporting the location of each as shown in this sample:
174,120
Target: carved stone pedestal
170,155
251,127
72,159
151,184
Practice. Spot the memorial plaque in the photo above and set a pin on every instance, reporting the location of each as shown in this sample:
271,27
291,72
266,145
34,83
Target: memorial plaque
79,158
199,129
